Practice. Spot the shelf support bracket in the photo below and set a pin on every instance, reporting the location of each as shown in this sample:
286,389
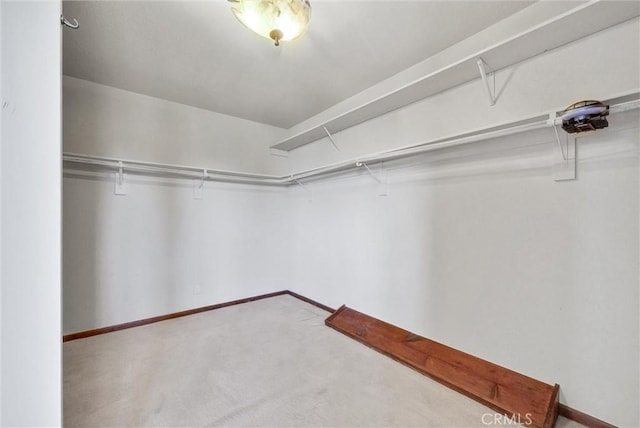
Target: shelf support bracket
280,153
331,138
302,186
359,164
299,183
482,66
562,151
564,168
120,188
199,186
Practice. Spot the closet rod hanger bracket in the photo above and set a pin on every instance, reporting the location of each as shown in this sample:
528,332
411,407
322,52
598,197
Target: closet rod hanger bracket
199,187
120,188
205,175
295,180
553,119
65,22
299,183
564,169
359,164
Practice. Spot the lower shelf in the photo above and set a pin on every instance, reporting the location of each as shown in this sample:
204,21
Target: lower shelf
525,400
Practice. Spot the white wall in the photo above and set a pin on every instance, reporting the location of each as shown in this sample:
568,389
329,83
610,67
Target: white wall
479,248
538,276
144,254
475,246
1,138
31,214
105,121
141,255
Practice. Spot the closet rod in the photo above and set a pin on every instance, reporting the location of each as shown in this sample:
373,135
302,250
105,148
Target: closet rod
419,149
171,169
294,178
628,101
530,124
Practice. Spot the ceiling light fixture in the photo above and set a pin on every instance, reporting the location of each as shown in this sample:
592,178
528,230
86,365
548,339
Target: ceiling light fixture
278,20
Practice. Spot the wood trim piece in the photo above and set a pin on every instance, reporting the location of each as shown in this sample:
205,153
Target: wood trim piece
582,418
103,330
552,411
524,399
311,302
109,329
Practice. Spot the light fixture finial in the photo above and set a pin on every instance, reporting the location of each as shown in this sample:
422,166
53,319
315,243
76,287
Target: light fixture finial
276,36
278,20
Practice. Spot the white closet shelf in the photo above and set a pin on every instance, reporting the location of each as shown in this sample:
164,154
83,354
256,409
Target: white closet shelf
618,104
459,64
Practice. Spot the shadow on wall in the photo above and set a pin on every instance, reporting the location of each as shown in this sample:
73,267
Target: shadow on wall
129,256
79,268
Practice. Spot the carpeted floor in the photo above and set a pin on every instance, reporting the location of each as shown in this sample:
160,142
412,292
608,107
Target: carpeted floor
269,363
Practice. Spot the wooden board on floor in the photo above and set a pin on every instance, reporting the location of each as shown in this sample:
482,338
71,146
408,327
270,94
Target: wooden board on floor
525,400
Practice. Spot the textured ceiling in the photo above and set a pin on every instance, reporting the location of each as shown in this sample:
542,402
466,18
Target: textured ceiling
197,53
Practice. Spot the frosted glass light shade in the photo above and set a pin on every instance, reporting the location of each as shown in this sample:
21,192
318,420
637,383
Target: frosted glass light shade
279,20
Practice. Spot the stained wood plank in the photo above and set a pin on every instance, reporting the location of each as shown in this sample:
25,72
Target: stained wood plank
138,323
528,400
582,418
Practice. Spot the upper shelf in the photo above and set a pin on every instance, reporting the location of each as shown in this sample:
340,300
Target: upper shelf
546,26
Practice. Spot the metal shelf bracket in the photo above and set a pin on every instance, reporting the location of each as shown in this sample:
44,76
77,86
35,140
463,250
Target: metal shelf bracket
280,153
199,185
491,89
383,187
331,138
120,187
564,168
360,164
302,186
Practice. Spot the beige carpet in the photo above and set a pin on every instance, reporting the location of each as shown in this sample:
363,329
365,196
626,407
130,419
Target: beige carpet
269,363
